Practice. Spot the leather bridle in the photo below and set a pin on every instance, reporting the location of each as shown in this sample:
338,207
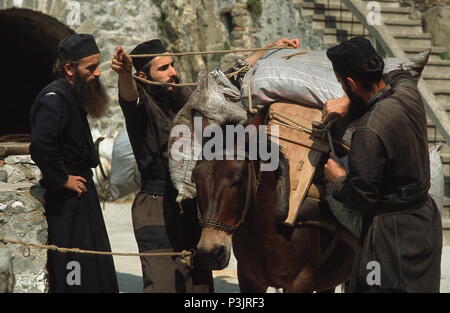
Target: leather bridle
230,229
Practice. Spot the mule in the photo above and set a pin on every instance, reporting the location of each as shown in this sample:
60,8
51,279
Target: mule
237,207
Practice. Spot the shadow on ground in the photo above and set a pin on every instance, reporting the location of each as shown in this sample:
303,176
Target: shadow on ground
222,285
129,283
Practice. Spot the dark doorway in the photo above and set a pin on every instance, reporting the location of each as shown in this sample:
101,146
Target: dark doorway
28,41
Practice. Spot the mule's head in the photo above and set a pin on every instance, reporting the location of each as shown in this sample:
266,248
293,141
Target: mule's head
224,195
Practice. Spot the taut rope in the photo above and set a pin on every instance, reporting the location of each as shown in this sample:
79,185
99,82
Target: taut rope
208,52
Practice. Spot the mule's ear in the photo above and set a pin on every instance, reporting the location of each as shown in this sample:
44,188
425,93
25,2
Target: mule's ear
260,117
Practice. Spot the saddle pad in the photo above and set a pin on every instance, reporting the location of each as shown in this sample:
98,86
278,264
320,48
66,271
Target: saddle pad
302,151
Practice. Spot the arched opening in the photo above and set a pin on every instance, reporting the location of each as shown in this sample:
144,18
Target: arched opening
28,41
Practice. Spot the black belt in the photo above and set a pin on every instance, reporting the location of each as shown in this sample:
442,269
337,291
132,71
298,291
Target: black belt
401,207
157,188
78,171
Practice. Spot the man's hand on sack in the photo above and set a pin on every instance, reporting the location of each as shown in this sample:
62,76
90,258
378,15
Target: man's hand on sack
121,62
335,109
294,43
76,184
334,169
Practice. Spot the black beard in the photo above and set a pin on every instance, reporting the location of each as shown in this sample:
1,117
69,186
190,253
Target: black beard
168,99
92,96
357,106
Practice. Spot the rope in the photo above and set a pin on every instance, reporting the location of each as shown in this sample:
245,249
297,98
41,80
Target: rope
287,57
183,254
301,128
164,84
244,68
297,126
250,99
208,52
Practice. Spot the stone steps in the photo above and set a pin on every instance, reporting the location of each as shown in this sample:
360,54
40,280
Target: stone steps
442,95
337,24
332,36
387,3
446,208
436,51
350,25
412,39
310,9
338,3
431,135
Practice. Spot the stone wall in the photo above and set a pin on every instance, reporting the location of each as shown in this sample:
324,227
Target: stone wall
22,219
437,22
185,25
7,280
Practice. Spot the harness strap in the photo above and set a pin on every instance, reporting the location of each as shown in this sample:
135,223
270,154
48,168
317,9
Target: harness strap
332,245
230,229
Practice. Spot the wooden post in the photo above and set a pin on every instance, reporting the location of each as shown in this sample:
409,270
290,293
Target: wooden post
14,148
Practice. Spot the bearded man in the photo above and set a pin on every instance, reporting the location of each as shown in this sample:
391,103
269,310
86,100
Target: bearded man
63,149
389,174
160,224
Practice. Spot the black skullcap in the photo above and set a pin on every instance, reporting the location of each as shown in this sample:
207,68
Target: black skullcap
154,46
351,53
77,46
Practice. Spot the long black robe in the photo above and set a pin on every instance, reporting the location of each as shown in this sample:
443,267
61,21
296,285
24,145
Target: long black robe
158,224
389,179
61,145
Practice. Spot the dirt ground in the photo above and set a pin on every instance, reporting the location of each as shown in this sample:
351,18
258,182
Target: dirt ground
129,273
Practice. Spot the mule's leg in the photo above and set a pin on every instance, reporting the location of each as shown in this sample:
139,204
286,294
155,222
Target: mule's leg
304,282
251,281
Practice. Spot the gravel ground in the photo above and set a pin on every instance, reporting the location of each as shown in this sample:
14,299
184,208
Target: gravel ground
129,273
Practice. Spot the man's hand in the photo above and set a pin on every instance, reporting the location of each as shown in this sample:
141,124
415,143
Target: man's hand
121,62
294,43
334,169
76,184
339,107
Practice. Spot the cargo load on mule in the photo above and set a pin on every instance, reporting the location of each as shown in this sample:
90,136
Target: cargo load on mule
296,85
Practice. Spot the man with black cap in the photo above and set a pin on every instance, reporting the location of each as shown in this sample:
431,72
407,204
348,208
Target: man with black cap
389,175
158,223
62,147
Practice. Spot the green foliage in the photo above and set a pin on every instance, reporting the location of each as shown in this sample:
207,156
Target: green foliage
254,7
444,56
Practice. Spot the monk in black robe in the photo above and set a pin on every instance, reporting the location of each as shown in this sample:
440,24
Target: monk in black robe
63,149
389,175
160,223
